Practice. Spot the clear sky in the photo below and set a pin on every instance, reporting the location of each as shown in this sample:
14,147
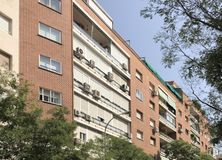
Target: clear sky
131,26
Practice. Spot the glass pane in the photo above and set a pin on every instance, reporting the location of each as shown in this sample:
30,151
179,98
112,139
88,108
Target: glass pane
56,5
46,2
55,66
44,30
44,61
46,95
56,97
55,35
4,24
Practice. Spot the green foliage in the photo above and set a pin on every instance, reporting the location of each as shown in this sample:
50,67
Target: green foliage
192,35
205,156
115,149
181,150
24,135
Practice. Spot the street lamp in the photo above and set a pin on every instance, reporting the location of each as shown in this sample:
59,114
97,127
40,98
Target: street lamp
104,140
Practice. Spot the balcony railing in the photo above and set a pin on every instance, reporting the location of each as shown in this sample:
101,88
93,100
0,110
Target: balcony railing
167,119
195,128
109,127
95,43
166,137
103,124
105,101
102,74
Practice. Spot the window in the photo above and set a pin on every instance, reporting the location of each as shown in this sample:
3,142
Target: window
82,136
139,94
50,64
139,135
152,141
186,106
186,119
180,113
187,132
139,115
151,86
139,75
152,105
4,60
53,4
50,32
5,24
50,96
152,123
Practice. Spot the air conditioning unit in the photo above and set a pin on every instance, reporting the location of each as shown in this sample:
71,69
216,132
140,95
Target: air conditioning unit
154,93
88,118
92,64
76,113
124,66
124,88
79,53
86,87
109,77
96,94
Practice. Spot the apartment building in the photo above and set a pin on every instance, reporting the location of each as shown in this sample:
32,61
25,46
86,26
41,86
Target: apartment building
71,55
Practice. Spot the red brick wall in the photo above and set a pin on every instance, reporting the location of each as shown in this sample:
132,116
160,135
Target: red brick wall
135,64
32,45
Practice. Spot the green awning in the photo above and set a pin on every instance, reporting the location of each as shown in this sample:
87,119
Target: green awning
171,88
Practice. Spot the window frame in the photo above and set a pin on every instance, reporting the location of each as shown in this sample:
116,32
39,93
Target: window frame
138,132
154,140
151,102
49,69
139,95
138,112
50,6
50,28
9,20
154,123
82,135
139,75
41,94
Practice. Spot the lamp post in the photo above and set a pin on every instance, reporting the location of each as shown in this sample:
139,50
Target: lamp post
104,139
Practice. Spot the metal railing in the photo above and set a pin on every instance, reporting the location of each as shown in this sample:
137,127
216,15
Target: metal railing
113,59
166,136
165,118
103,99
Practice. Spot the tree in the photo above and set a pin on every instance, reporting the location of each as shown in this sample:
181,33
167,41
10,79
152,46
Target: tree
24,135
115,149
181,150
192,34
205,156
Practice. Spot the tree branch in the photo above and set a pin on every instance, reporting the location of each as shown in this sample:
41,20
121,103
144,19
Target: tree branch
198,19
205,103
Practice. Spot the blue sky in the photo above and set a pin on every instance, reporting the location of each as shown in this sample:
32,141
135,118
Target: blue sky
131,26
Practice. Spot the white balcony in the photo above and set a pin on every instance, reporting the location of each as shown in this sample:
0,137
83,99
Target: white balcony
166,137
98,125
167,123
107,105
103,53
100,76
